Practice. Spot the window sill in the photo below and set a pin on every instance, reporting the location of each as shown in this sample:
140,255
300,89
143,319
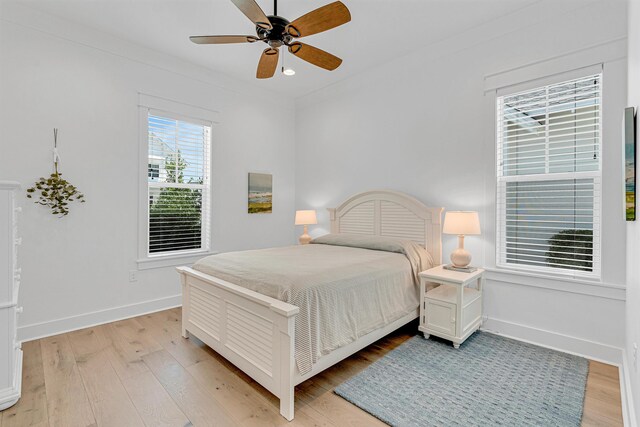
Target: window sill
171,260
577,285
557,274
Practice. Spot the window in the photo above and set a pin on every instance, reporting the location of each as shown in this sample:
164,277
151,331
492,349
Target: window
549,178
177,183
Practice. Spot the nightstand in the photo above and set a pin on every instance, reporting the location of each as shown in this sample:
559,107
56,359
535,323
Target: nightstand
453,310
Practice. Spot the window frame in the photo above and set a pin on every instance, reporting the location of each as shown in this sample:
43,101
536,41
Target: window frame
188,113
501,181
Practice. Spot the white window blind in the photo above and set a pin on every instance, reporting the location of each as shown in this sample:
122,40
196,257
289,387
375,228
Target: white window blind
178,184
549,178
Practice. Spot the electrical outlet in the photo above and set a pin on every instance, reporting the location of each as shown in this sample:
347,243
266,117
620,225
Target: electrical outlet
133,276
635,356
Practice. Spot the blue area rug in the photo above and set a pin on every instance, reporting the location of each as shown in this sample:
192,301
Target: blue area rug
490,380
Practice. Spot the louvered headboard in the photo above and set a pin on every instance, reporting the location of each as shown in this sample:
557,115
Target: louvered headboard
390,214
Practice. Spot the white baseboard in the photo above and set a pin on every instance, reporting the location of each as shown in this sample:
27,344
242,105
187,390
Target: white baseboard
565,343
628,411
72,323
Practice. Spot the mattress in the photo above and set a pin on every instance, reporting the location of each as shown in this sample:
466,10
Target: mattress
345,286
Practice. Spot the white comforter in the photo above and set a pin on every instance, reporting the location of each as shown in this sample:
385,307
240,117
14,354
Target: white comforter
343,292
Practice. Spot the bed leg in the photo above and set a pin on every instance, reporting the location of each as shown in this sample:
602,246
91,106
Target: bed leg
286,358
286,405
185,305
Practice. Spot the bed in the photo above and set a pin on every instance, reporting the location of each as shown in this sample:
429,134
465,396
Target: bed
256,331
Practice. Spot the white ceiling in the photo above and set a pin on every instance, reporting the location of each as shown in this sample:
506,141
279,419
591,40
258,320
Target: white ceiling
379,31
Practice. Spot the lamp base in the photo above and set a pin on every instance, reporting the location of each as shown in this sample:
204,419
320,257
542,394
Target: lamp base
304,239
460,258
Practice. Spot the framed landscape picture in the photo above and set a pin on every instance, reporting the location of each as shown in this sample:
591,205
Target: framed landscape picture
630,163
260,193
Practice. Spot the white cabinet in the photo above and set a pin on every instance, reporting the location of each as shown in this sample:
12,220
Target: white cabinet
10,352
453,310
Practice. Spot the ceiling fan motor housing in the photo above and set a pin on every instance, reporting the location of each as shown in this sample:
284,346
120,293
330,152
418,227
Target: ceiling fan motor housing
278,34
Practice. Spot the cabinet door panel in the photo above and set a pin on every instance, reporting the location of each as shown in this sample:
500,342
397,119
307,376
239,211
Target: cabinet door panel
441,317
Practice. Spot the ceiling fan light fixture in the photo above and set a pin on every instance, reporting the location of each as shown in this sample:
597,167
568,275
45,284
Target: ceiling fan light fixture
288,71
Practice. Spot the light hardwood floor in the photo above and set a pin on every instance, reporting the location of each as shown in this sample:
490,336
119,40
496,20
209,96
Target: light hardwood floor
139,372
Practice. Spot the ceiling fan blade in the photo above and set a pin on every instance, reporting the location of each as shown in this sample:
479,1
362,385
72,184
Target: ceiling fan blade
268,63
315,56
319,20
223,39
252,11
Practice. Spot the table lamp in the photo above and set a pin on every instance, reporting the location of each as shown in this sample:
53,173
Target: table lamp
305,218
462,223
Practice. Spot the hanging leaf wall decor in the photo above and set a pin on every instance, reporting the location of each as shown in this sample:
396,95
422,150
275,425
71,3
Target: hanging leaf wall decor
55,192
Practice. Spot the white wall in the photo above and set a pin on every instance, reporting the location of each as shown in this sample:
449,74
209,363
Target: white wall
633,228
423,124
55,74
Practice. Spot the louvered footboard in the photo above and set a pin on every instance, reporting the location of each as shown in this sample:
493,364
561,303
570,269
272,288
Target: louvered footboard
252,331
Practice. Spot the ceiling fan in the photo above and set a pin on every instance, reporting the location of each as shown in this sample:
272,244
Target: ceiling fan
277,31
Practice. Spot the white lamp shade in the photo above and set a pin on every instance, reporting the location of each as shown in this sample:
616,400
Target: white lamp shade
461,223
306,217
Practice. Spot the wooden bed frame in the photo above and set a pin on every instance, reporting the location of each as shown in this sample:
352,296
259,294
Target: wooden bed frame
256,332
